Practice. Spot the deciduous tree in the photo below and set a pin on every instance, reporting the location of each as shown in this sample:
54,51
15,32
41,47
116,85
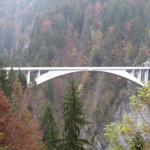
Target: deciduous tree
133,131
4,119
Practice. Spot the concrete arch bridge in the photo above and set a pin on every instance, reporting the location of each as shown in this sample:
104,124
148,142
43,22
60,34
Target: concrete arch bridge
139,75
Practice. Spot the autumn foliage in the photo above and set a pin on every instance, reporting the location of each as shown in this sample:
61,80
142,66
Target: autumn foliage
18,130
4,118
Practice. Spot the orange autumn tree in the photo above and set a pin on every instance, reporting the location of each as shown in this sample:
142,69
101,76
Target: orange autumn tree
20,131
4,119
24,130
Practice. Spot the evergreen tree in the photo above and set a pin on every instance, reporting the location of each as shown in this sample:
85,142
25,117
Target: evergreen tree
4,83
49,91
22,79
137,142
11,80
49,127
11,76
74,119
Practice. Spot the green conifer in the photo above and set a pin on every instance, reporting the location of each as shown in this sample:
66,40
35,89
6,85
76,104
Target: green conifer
74,119
22,79
4,83
50,135
11,80
137,142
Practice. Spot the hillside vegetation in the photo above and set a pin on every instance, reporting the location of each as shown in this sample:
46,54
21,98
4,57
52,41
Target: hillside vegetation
78,33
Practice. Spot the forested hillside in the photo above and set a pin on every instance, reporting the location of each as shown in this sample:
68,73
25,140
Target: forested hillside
78,33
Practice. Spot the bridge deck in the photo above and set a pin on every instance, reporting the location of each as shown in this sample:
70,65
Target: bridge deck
75,68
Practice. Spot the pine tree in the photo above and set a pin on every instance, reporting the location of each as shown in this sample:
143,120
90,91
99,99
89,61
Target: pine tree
74,119
49,127
4,83
22,80
11,80
137,142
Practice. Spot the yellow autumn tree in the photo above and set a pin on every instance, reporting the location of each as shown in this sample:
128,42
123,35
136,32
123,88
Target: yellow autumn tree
133,130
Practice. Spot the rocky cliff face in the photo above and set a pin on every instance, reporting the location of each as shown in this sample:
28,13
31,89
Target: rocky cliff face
78,33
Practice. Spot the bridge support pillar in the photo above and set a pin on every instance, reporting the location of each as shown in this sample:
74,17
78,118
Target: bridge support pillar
38,74
139,75
146,76
132,72
28,75
7,72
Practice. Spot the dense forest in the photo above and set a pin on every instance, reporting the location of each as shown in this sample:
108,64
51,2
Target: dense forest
73,33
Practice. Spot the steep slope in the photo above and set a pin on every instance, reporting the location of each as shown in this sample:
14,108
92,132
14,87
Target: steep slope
78,33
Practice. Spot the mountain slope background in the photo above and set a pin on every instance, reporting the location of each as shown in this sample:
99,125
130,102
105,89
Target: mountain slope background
78,33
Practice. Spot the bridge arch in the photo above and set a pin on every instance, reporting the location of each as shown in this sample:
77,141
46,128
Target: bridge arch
57,73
